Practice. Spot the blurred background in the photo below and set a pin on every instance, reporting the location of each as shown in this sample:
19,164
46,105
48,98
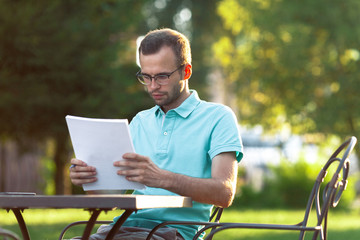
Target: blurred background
289,69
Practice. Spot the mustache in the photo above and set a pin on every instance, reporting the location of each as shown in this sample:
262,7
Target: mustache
156,92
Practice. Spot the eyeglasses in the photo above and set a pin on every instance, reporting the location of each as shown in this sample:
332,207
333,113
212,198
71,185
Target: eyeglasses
161,79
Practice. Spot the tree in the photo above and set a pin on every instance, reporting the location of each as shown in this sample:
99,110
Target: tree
293,63
65,57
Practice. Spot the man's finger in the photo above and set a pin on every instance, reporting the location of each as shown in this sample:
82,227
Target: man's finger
78,162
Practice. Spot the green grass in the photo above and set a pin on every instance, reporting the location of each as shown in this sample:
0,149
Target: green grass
47,224
341,224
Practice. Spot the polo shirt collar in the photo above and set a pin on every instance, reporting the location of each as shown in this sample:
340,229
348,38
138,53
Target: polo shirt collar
186,107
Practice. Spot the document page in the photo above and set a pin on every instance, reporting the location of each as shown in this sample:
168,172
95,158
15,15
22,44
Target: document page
100,142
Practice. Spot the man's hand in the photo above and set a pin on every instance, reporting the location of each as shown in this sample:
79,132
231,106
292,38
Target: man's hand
138,168
81,173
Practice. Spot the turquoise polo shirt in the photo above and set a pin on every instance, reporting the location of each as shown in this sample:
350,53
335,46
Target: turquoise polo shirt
184,141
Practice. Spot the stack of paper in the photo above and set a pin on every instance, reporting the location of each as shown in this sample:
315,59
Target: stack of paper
100,142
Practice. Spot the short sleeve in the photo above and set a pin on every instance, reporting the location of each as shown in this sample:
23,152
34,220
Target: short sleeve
225,134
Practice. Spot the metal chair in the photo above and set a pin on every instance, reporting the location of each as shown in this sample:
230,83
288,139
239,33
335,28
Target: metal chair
331,194
6,234
62,234
214,219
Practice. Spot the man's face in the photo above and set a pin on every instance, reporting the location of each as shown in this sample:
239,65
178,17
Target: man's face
174,93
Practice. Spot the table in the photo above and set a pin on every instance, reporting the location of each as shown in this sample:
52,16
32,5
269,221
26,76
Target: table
94,203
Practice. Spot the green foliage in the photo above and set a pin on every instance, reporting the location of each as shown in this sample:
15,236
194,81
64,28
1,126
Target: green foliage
289,185
293,182
293,63
47,173
59,58
66,57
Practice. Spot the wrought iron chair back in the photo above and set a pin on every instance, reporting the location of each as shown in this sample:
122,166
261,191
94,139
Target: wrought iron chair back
7,235
331,195
214,219
333,189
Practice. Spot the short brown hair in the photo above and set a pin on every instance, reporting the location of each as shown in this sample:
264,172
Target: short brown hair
156,39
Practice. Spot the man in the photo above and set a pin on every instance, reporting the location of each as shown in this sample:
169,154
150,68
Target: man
183,145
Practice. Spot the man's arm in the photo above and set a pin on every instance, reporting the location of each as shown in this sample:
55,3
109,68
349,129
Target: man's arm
218,190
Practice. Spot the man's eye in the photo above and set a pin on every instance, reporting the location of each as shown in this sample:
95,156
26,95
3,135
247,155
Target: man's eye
161,77
146,77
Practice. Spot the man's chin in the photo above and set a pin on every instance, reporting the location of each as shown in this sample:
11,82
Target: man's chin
159,102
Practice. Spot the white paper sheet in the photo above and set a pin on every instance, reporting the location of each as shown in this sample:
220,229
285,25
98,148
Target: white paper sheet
100,142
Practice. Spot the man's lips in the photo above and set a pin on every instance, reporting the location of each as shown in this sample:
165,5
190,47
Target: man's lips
157,95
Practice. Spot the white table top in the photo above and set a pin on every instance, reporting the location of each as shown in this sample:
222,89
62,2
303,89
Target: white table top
123,201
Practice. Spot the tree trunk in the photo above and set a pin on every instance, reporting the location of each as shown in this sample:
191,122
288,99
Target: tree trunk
2,168
61,158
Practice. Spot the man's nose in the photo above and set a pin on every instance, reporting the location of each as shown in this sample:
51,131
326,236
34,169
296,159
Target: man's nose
154,84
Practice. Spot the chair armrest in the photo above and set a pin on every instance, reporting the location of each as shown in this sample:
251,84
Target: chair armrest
163,224
295,227
9,234
62,234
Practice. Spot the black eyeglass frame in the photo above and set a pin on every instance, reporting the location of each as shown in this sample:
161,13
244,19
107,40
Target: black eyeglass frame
140,77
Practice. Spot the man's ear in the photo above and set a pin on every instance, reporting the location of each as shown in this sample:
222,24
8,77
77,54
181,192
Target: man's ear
188,71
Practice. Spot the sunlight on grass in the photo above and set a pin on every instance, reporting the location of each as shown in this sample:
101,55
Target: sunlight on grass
341,224
48,223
